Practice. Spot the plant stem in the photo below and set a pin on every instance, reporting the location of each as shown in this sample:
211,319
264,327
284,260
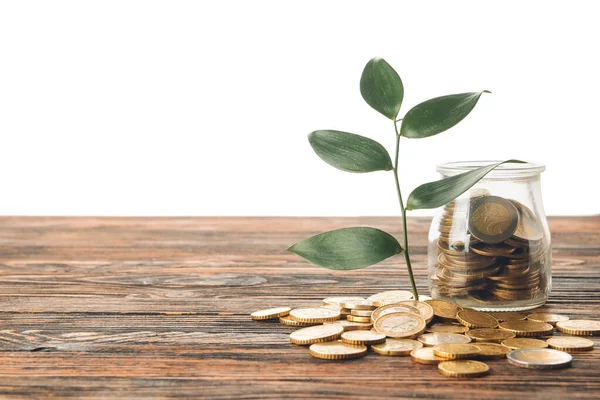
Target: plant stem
403,210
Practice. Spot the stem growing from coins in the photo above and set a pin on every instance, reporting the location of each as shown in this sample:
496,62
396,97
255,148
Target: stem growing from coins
403,210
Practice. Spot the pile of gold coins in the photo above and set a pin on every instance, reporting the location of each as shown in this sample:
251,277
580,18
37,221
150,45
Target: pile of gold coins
490,249
433,332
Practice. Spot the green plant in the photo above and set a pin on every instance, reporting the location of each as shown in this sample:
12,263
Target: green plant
381,87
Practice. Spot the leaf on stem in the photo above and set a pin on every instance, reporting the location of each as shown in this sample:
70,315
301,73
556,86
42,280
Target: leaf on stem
436,194
438,114
350,152
347,248
381,87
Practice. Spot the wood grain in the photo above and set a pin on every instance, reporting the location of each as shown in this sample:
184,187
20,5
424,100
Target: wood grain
158,307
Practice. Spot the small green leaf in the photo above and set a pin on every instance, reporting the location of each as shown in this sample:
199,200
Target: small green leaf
347,248
436,194
437,115
382,88
350,152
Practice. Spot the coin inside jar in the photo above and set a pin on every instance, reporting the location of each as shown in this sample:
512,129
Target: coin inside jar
492,219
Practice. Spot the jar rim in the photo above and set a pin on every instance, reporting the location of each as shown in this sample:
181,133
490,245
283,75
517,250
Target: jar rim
503,170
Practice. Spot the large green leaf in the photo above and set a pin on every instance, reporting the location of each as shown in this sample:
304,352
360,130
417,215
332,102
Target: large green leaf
437,115
347,248
381,87
350,152
436,194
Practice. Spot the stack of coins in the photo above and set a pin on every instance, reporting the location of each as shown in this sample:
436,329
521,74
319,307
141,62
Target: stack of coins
490,249
434,332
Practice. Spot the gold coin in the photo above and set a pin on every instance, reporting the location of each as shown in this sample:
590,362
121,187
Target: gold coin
570,344
463,368
527,328
270,313
341,299
314,314
435,338
425,356
286,320
476,319
490,351
316,334
361,313
363,337
539,358
579,327
492,219
335,307
358,305
337,350
389,297
547,317
396,347
496,250
444,309
489,335
400,325
392,308
447,328
528,229
350,326
425,309
355,318
507,315
455,351
524,343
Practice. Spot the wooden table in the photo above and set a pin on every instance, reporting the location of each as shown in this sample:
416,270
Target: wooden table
159,307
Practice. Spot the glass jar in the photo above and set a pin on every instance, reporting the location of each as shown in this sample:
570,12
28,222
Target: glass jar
490,248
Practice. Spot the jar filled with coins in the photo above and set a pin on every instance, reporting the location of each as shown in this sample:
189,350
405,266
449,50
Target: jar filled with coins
490,248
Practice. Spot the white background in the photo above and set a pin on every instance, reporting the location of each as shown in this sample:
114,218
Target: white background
203,108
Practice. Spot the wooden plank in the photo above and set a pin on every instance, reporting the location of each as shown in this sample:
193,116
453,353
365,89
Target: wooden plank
158,307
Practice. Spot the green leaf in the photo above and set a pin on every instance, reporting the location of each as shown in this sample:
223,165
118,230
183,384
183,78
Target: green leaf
347,248
350,152
382,88
437,115
436,194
